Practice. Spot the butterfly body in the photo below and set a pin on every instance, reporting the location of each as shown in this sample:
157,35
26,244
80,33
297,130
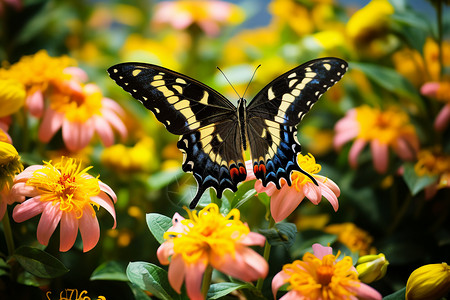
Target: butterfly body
214,133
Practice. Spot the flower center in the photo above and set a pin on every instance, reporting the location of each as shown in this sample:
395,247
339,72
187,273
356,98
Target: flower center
208,235
324,275
65,183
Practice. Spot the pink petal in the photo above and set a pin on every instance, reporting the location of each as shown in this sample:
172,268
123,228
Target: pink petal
329,195
193,280
177,272
51,215
89,228
76,72
77,135
295,295
105,188
253,238
35,103
104,130
115,121
320,251
365,292
443,118
312,192
355,150
51,123
430,89
164,252
380,153
278,281
282,204
21,189
28,209
104,201
404,149
247,265
270,189
68,231
27,173
113,105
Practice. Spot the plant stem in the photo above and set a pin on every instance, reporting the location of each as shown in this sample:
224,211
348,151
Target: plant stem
8,234
206,281
266,254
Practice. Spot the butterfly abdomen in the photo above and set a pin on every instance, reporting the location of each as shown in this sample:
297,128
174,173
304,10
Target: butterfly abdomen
242,117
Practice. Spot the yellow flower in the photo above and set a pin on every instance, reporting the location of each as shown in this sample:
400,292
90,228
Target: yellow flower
353,237
371,267
292,13
12,96
322,276
63,192
368,28
433,162
428,282
139,158
10,164
209,238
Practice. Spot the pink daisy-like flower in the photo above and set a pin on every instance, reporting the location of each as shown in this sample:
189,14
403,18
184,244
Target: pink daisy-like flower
208,15
285,200
440,91
210,239
322,276
80,111
64,194
382,130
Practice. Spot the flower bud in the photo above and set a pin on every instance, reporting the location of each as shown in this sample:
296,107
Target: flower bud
371,267
428,282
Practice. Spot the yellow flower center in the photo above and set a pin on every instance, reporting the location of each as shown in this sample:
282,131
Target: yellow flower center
432,162
78,106
384,126
326,278
65,183
208,235
308,164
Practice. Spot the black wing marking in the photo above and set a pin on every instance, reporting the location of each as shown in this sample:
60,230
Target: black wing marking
181,103
274,113
206,120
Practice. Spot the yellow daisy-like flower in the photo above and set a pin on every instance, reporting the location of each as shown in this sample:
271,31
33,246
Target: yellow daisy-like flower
209,238
353,237
290,12
322,276
12,96
433,162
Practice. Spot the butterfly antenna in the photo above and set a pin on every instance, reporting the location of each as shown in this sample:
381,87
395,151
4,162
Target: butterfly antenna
228,82
254,72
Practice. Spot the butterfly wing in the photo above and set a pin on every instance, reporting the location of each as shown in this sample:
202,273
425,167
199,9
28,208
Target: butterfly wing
205,119
274,113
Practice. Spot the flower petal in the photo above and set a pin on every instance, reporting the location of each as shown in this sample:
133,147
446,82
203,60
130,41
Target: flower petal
253,238
28,209
443,118
177,272
51,123
116,122
380,153
68,231
21,189
27,173
320,251
365,292
35,103
312,192
165,250
105,188
193,279
104,201
104,130
355,150
284,202
89,228
278,281
51,215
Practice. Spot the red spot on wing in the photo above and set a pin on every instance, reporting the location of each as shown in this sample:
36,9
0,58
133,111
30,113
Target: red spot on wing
242,170
262,168
234,172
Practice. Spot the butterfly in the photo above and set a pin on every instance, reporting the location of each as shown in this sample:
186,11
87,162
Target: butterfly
214,133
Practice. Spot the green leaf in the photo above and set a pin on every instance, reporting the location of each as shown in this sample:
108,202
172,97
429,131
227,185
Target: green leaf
390,80
414,182
151,278
161,179
111,270
280,234
158,225
398,295
39,263
218,290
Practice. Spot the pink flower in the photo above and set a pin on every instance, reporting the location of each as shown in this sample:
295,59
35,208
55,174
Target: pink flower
63,193
210,239
382,130
284,201
80,111
440,91
208,15
320,276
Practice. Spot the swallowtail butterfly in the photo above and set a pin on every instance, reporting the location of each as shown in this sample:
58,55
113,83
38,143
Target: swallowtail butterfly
215,133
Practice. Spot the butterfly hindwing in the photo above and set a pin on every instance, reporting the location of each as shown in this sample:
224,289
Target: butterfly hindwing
205,119
274,113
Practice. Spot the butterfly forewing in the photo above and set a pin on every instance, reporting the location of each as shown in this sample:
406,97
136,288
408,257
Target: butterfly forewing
275,111
206,120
